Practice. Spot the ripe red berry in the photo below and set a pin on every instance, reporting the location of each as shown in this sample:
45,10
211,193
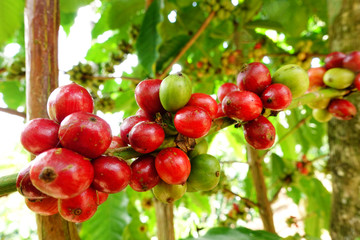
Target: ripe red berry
225,89
111,175
24,185
144,175
68,99
243,106
39,135
141,113
205,102
128,124
79,208
276,97
257,77
260,133
146,137
45,206
61,173
173,165
334,60
147,96
117,142
342,109
85,133
101,197
357,81
352,61
240,81
316,78
193,122
220,112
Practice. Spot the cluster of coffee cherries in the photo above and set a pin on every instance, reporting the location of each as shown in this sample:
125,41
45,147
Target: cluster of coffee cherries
341,71
256,95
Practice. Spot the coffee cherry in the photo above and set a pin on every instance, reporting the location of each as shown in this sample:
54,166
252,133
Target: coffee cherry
45,206
68,99
144,175
316,78
146,137
61,173
276,97
357,81
147,96
85,133
334,60
259,133
24,185
339,78
243,106
220,112
322,115
173,165
342,109
101,197
168,193
39,135
111,175
193,122
141,113
257,77
128,124
240,81
79,208
225,89
117,142
205,102
352,61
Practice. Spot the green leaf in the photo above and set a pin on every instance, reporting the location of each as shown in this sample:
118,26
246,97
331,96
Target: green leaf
148,40
71,6
67,20
13,93
100,52
197,203
109,221
11,18
268,24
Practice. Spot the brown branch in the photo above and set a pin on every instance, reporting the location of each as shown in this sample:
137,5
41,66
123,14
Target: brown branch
246,200
2,70
13,112
188,44
135,80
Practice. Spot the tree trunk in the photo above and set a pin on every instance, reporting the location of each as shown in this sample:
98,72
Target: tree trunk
41,34
344,136
164,220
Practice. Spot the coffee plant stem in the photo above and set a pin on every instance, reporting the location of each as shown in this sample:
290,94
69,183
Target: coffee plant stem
13,112
7,184
245,200
188,44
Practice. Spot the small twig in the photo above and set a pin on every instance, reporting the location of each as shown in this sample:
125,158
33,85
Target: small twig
2,70
246,200
13,112
188,44
276,195
135,80
318,158
231,162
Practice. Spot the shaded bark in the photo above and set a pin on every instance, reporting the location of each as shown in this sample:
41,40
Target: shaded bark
41,34
164,220
344,136
263,203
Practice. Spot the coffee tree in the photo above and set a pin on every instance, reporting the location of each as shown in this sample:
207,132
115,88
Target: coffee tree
206,151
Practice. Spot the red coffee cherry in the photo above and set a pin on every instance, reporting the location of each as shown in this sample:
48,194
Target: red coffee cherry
117,142
352,61
128,124
276,97
45,206
101,197
316,76
357,81
260,133
173,165
334,60
147,96
141,113
342,109
24,185
144,175
146,137
257,77
205,102
220,112
225,89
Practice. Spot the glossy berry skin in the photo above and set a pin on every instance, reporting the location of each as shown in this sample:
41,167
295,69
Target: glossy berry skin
79,208
101,197
147,96
61,173
240,81
260,133
146,137
39,135
128,124
68,99
193,122
316,78
342,109
243,106
173,165
276,97
352,61
220,112
45,206
117,142
257,78
85,133
24,185
141,112
225,89
334,60
144,175
357,81
111,174
205,102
